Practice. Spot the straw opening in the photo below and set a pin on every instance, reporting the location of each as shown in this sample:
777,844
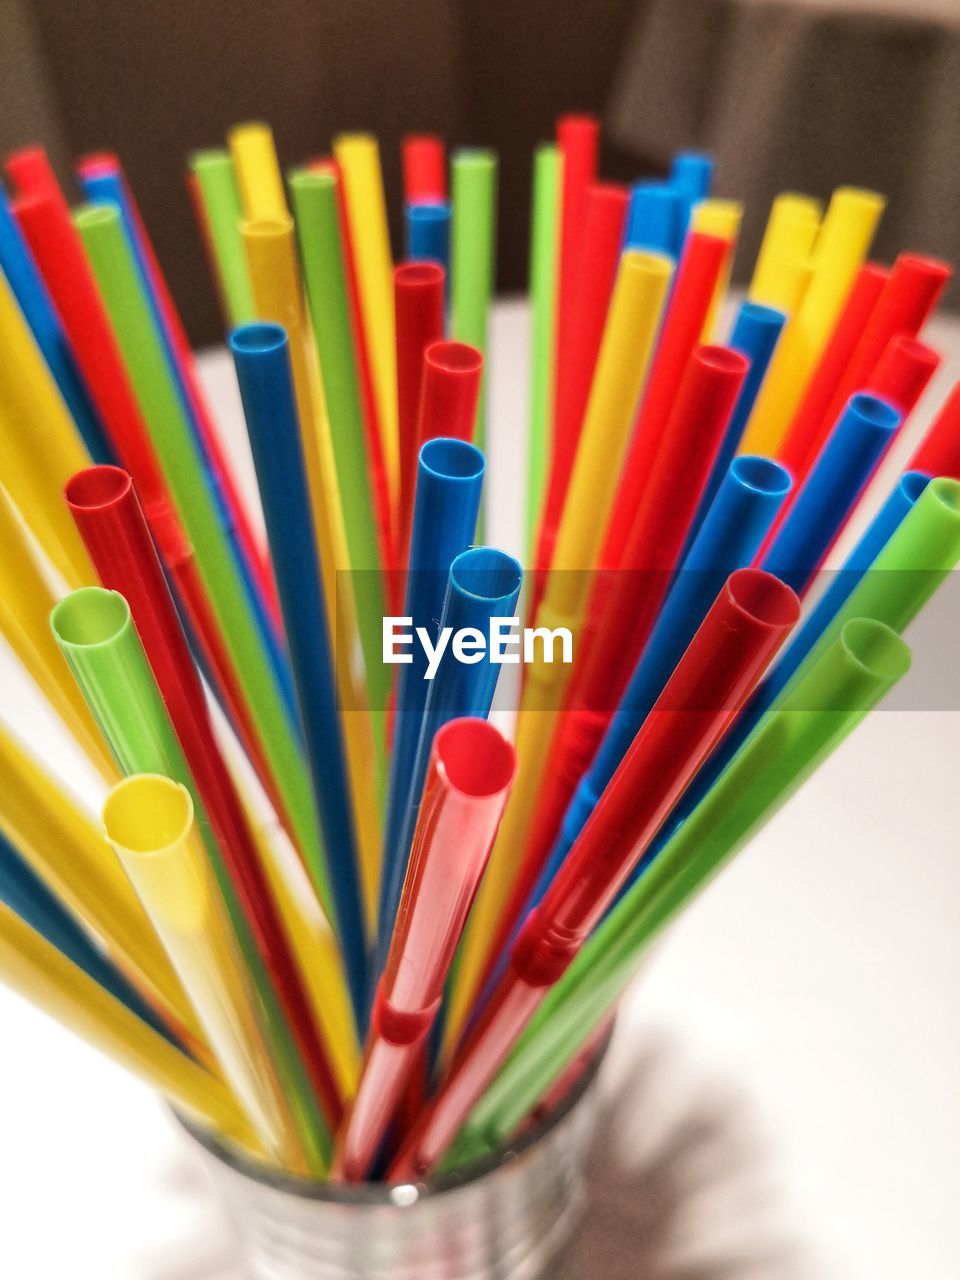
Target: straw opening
96,215
258,337
917,350
947,492
454,357
655,264
913,483
763,475
876,648
90,616
760,311
486,573
724,359
419,273
266,228
476,759
763,597
452,459
428,211
879,413
147,813
97,487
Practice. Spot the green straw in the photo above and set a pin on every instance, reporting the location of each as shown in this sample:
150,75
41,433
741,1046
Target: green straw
96,635
544,229
217,185
474,190
145,361
824,705
318,231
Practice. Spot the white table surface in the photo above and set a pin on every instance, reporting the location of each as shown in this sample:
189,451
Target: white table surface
784,1076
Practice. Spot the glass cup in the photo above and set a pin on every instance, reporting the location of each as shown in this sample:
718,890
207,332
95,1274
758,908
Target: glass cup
504,1217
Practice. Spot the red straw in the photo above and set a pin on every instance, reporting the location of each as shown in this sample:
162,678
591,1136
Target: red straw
424,169
742,632
810,425
105,507
704,258
624,604
471,769
449,391
939,451
903,372
418,291
588,298
30,171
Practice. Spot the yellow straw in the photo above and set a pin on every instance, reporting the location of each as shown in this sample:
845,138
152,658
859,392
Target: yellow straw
45,977
40,447
359,159
841,246
64,847
149,822
258,170
278,297
718,218
789,238
628,341
25,603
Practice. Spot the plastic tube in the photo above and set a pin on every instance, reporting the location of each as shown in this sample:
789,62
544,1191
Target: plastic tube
588,298
424,168
266,388
739,636
35,969
418,297
718,218
428,233
471,768
791,745
258,170
938,454
788,239
544,244
809,426
359,160
865,431
842,243
449,392
691,176
697,275
449,484
903,372
217,185
473,253
655,216
149,822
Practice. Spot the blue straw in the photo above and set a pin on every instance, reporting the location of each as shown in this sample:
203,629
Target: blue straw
445,510
654,219
428,235
845,463
25,893
691,174
261,355
30,291
756,332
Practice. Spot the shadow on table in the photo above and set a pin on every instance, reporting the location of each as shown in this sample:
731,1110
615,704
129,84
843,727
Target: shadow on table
680,1186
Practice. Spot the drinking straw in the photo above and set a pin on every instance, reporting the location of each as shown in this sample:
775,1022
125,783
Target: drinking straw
628,339
260,353
104,183
697,275
842,243
418,298
220,199
449,391
359,159
740,634
63,846
903,372
939,451
746,503
428,233
756,332
471,768
424,168
35,969
39,443
718,218
544,240
105,506
473,253
255,163
149,821
849,458
654,217
447,505
849,678
25,604
24,892
691,176
788,239
578,143
589,290
34,301
809,426
168,423
905,302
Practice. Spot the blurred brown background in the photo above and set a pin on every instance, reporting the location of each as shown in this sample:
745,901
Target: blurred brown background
788,93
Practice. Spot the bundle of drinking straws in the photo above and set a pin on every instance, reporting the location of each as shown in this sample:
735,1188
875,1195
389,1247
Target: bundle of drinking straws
328,909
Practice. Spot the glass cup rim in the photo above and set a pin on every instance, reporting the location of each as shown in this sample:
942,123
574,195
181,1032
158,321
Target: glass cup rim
398,1195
